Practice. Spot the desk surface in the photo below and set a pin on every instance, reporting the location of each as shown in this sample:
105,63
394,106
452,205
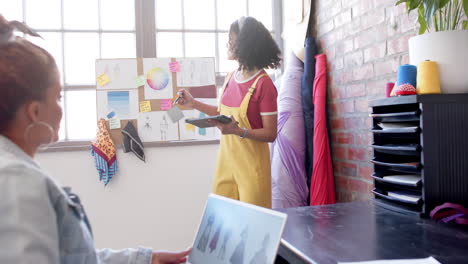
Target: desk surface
362,231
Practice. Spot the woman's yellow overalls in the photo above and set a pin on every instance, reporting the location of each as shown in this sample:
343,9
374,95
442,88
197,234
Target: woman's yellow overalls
243,169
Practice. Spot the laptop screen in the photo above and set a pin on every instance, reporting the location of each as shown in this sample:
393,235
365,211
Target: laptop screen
236,232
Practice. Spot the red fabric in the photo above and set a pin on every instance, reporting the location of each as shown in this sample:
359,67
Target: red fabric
262,101
322,186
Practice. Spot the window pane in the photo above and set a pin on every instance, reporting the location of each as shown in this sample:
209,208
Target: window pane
118,14
229,11
44,14
169,45
52,42
118,45
200,45
81,14
224,64
81,114
81,52
168,14
12,9
199,14
262,11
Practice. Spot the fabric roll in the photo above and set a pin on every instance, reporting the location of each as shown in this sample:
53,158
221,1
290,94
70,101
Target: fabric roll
103,150
322,189
307,103
289,186
132,142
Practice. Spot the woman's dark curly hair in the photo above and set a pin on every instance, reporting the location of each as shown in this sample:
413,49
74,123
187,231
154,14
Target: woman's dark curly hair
254,46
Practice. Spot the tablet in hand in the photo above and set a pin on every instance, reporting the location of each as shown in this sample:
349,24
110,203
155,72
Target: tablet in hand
203,122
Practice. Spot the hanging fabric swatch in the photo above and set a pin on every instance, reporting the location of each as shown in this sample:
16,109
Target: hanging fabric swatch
103,150
132,142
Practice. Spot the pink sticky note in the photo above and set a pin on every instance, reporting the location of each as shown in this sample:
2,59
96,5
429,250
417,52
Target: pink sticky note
165,104
174,66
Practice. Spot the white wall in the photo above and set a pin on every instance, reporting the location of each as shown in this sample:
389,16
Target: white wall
157,204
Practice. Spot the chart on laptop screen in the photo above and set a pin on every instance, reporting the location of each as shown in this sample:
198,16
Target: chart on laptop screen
235,232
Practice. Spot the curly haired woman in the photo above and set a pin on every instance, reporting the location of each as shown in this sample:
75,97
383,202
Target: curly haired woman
249,96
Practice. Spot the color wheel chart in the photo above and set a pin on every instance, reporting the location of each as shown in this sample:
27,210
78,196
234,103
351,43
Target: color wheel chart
158,78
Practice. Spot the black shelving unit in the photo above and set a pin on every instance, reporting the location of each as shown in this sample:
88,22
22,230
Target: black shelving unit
422,136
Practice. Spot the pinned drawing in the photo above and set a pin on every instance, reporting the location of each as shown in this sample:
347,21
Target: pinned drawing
121,73
155,126
158,78
123,103
191,132
196,72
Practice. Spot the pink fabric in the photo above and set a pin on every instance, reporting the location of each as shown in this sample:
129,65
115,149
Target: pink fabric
262,101
322,189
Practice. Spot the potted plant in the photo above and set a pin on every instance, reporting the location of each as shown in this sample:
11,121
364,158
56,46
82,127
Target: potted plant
443,29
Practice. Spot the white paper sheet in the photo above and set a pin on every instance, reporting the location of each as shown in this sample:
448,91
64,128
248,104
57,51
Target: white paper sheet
429,260
190,132
410,179
156,126
121,73
196,72
124,107
158,78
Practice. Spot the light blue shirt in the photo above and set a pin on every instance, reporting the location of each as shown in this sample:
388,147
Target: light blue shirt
41,223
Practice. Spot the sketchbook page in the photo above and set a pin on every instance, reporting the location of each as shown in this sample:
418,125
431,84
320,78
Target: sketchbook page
429,260
191,132
156,126
121,73
123,103
158,83
408,179
196,72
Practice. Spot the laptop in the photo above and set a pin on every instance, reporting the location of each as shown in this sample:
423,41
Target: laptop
235,232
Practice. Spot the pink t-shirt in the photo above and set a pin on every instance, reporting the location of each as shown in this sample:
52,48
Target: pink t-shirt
262,102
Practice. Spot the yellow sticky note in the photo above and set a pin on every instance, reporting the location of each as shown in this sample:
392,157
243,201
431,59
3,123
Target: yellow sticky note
102,79
145,106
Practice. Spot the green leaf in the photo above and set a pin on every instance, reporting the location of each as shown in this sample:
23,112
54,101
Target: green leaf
465,24
421,20
465,6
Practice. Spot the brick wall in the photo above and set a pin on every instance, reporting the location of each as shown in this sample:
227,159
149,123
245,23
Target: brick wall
365,41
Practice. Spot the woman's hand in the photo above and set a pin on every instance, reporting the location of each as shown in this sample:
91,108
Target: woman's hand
164,257
231,128
185,99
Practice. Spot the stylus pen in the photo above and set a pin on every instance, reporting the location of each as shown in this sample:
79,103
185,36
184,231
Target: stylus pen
178,98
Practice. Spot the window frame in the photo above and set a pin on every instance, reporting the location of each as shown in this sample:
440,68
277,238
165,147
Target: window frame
145,36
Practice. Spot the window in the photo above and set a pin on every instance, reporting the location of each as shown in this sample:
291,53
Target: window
77,33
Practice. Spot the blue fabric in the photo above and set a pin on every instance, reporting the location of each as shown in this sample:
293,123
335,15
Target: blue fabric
307,87
407,74
106,173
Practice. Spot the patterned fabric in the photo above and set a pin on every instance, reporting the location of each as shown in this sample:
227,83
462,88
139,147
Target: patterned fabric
405,89
103,150
132,142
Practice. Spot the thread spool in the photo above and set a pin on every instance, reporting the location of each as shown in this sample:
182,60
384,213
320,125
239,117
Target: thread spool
388,89
407,75
428,79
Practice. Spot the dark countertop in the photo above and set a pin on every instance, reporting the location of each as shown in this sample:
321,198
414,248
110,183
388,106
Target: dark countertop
362,231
